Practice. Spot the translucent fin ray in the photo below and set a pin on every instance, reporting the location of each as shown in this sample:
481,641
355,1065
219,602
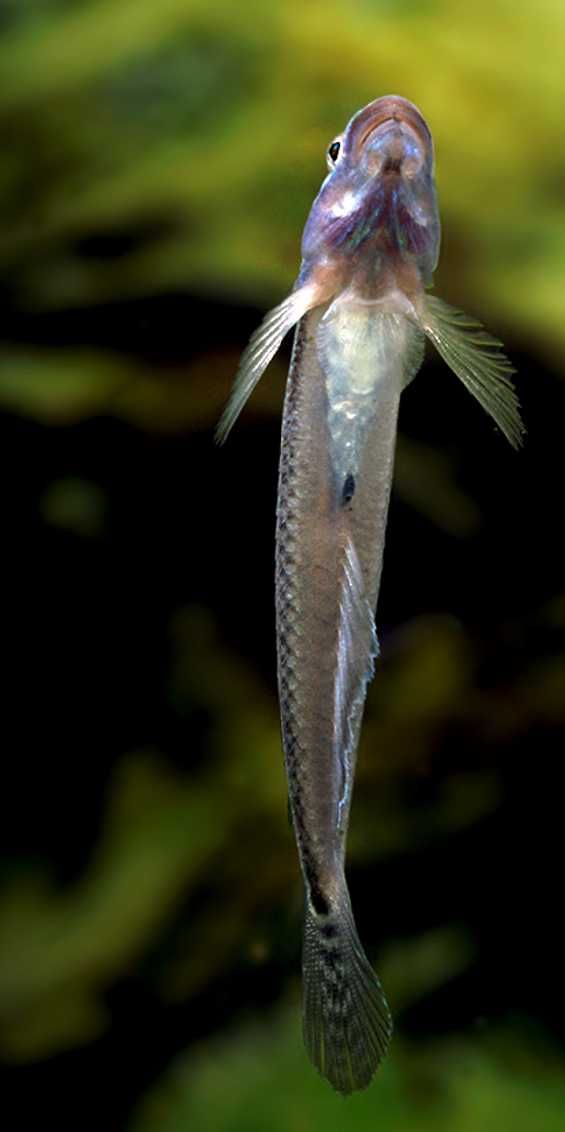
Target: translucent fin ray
477,359
261,349
357,651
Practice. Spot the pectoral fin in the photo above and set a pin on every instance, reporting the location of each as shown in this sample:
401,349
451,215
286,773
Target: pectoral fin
477,358
261,349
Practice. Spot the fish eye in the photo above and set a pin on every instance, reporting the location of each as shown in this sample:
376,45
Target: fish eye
333,153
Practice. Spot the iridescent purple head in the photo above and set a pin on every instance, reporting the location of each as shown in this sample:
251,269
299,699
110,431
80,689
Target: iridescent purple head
375,223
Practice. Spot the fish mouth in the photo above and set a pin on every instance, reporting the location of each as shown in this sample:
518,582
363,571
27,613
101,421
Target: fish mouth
393,134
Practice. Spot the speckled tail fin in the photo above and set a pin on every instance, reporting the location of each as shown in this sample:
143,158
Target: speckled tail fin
346,1020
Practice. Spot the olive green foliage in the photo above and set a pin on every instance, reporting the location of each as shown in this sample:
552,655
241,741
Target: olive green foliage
205,126
452,1088
200,130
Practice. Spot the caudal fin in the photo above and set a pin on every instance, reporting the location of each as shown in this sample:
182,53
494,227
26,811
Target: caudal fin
346,1020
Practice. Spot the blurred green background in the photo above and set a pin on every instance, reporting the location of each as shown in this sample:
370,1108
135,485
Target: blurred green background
158,162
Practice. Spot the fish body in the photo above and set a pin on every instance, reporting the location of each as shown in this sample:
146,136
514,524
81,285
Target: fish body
369,250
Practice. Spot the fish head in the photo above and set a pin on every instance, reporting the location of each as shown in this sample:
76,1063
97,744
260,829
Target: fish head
375,222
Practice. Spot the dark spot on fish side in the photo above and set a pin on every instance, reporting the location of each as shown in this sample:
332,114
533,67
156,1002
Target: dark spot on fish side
348,490
329,930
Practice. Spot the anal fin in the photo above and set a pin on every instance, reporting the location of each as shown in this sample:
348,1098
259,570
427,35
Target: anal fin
357,650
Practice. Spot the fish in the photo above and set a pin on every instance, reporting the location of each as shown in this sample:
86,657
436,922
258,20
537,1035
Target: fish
362,312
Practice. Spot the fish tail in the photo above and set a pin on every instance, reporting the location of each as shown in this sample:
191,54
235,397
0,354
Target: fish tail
346,1020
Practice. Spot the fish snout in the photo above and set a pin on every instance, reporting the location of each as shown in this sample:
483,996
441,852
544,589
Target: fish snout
394,148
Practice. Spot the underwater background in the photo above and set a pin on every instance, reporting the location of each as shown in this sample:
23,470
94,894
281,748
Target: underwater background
158,161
